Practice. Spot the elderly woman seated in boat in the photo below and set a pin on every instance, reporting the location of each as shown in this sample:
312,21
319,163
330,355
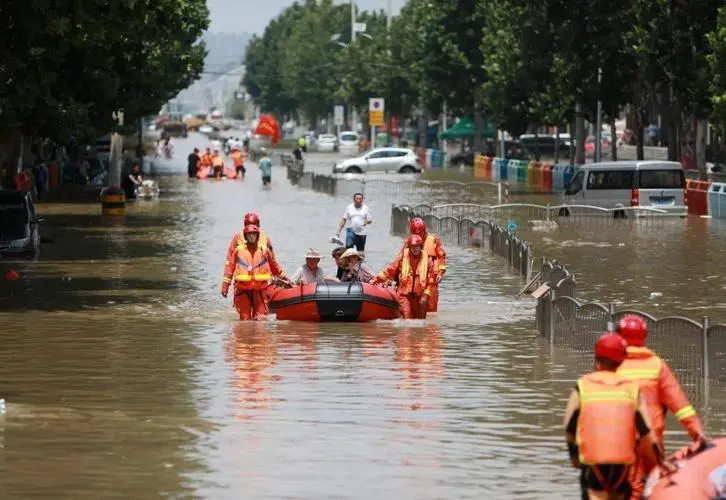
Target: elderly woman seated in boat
310,272
354,269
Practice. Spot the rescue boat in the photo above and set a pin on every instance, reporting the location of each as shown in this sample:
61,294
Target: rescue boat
335,302
204,172
701,474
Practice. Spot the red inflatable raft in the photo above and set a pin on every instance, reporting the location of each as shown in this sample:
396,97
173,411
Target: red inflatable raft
335,302
701,474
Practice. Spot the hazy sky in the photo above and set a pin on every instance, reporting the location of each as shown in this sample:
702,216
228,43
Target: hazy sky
237,16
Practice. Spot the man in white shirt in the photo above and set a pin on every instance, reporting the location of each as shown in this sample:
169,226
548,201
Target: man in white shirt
355,219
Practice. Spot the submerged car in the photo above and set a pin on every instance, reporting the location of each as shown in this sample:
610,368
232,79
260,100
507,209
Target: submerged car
19,233
400,160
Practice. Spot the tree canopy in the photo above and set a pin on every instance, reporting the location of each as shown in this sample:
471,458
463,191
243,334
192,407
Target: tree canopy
521,62
66,75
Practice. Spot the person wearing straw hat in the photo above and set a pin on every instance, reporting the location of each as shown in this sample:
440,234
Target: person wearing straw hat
354,269
310,272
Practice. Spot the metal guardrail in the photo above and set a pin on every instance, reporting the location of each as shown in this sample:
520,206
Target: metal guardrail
466,232
696,350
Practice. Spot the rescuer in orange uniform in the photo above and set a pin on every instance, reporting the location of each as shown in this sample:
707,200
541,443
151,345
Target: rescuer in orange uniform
207,158
217,164
604,415
254,219
238,160
413,269
659,389
251,266
432,246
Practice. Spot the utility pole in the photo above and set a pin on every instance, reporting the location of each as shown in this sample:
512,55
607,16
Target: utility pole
351,108
598,122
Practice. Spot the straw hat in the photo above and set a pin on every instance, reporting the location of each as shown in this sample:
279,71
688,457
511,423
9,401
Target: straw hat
312,254
350,252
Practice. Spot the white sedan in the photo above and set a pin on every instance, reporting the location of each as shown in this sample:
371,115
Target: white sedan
399,160
327,143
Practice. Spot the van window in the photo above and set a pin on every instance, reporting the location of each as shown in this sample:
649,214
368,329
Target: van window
610,179
662,179
575,185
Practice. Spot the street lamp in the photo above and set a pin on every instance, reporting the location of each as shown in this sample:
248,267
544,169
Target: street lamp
335,39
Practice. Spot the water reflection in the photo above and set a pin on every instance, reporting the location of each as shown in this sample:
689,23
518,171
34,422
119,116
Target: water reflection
251,352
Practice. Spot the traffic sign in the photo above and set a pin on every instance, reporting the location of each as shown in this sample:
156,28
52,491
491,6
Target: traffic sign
376,108
339,116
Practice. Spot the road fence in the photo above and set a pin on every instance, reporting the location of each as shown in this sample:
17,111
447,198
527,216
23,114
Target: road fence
695,349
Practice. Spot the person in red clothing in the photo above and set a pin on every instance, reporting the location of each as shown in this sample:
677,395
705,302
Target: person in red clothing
250,266
432,246
413,269
254,219
660,391
239,161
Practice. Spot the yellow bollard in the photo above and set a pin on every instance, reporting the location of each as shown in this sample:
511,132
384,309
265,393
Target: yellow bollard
113,202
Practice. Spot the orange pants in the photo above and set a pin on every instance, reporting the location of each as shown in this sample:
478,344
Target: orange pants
639,471
434,299
251,304
410,306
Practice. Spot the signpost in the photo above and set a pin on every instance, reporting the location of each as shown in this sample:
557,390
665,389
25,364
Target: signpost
338,118
376,107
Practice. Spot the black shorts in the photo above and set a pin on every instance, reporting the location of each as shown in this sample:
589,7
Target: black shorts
266,179
606,477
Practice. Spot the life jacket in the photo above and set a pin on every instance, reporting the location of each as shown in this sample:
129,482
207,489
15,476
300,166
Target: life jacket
252,270
410,281
429,247
606,432
217,161
207,160
643,367
237,159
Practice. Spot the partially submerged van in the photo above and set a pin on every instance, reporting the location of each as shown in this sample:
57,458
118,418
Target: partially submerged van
656,184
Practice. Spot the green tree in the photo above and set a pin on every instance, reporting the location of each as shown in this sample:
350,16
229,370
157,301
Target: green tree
717,62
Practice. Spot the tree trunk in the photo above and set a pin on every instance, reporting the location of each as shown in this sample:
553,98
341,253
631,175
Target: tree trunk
478,129
580,134
613,140
701,136
557,144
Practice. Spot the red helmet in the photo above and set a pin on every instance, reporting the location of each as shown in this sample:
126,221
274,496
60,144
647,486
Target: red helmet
252,218
417,226
611,346
251,228
415,241
633,329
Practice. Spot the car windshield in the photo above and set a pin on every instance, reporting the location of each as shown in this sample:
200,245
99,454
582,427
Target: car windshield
348,137
13,220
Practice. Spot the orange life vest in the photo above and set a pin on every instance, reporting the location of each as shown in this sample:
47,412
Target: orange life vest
217,161
429,247
252,270
237,159
410,281
643,367
207,160
262,239
606,432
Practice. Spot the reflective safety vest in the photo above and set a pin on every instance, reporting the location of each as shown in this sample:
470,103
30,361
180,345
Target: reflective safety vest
407,283
429,247
217,161
262,240
643,367
606,431
237,159
252,270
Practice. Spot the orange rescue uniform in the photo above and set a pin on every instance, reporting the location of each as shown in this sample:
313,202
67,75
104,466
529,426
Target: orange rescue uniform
238,159
604,415
433,247
659,390
415,276
250,268
218,164
263,240
206,159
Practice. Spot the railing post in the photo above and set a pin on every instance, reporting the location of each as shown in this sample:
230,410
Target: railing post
611,317
551,305
499,193
547,210
704,340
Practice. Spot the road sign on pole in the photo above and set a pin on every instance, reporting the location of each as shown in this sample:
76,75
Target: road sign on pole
376,107
339,116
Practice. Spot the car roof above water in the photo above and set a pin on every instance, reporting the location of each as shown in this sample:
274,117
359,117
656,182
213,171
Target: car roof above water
634,165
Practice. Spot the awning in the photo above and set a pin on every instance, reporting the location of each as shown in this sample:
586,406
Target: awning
465,128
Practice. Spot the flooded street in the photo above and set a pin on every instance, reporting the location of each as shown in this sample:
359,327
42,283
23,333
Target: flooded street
127,375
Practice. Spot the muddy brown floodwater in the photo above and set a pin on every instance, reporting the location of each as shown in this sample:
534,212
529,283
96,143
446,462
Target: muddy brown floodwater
128,376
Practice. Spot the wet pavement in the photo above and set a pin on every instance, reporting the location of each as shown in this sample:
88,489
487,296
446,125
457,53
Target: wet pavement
128,376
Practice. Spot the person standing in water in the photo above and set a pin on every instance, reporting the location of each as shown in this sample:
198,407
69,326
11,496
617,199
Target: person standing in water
265,165
355,219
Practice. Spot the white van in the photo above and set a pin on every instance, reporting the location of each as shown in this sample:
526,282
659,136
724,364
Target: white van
348,142
655,184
